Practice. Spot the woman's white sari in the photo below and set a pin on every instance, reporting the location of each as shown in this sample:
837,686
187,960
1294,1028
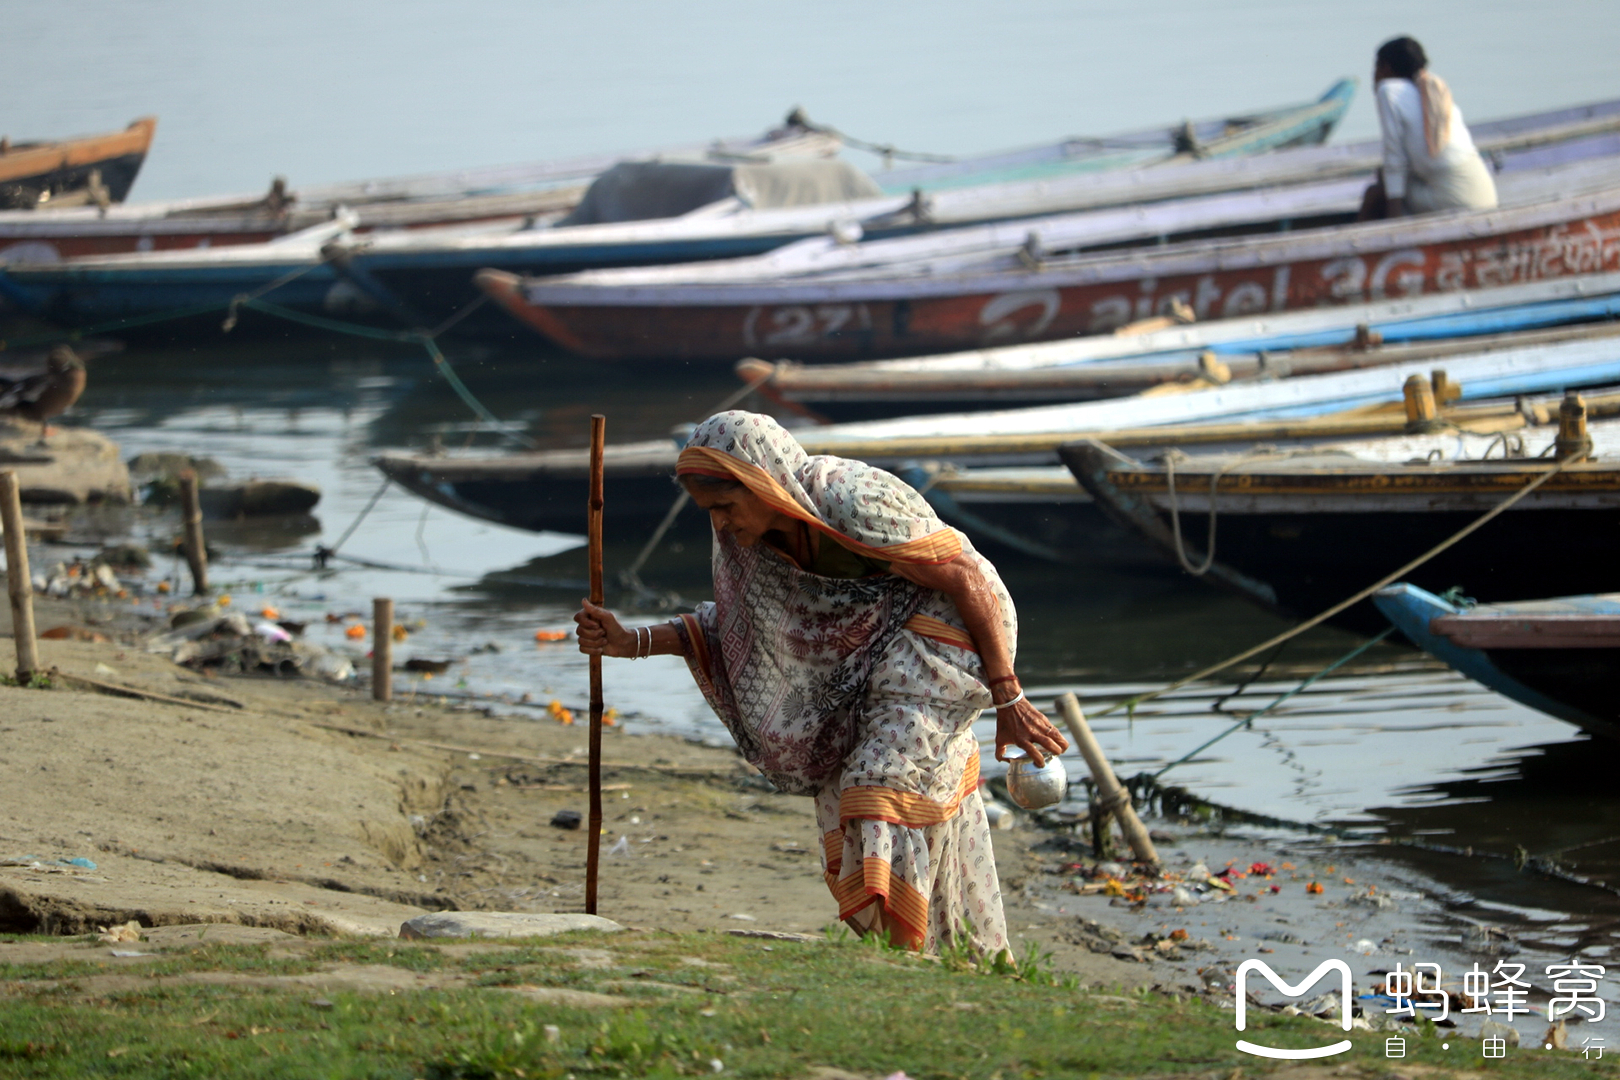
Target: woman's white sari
860,692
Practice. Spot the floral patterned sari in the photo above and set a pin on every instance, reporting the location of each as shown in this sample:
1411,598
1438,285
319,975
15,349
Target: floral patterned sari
859,692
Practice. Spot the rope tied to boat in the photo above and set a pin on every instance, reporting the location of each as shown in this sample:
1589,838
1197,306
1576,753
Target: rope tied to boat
1130,704
1248,721
1171,457
887,151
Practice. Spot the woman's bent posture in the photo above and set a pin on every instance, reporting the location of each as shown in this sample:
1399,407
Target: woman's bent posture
853,640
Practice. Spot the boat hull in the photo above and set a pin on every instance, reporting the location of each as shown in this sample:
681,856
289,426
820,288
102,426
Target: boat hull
1580,684
1300,540
842,321
38,175
547,492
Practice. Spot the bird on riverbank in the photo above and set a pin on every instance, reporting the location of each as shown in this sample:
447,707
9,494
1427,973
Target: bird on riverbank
42,394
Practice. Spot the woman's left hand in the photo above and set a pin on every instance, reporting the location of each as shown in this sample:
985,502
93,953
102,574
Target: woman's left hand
1026,727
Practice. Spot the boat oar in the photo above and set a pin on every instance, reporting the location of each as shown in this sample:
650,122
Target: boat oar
593,532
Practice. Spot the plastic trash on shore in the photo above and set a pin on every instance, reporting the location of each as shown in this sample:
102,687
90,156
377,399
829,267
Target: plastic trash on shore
35,862
116,935
78,578
232,643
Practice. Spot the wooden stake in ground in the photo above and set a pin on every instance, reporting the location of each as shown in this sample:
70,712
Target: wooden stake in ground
196,550
1112,798
593,532
382,649
19,582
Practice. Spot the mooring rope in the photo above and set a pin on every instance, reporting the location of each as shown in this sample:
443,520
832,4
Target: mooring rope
1130,704
1305,684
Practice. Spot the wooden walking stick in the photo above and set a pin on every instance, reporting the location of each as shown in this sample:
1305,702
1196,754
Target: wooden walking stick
593,532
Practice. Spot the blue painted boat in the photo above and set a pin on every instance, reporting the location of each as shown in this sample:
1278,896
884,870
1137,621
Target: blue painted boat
1253,347
1560,656
422,276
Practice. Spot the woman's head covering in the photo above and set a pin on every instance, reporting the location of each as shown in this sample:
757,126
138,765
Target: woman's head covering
1406,59
869,511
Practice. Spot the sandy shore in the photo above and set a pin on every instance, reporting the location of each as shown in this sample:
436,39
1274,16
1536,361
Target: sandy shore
304,807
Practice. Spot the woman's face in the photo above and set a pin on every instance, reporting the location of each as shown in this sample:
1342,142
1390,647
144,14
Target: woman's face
737,511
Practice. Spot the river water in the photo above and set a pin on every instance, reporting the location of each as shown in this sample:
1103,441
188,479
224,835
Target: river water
323,92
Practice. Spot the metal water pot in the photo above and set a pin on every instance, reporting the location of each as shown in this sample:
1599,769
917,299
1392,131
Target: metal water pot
1031,787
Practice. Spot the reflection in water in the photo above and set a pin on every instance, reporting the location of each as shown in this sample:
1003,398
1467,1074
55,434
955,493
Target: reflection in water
1433,756
1548,806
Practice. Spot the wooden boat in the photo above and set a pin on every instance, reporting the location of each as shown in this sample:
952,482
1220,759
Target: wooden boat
1560,656
1079,369
540,490
1305,124
1031,436
460,196
1042,511
1556,224
543,191
97,169
423,276
1121,378
1298,534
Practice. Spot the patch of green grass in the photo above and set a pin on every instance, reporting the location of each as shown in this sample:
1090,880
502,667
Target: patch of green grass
393,954
766,1009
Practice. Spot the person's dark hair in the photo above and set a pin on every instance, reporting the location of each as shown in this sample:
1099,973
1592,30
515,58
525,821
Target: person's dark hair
1403,56
705,482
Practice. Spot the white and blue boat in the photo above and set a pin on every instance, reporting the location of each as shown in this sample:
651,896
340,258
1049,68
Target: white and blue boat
1560,656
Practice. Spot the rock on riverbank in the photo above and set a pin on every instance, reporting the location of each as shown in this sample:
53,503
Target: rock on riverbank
76,465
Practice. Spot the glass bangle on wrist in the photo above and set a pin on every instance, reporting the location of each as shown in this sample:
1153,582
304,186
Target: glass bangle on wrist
1010,702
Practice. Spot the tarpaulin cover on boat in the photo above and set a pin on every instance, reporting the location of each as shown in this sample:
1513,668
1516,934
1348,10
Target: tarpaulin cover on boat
639,190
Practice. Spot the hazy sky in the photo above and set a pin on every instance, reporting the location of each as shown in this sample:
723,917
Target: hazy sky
353,88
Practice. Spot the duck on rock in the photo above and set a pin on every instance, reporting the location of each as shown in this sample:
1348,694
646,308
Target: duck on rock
43,393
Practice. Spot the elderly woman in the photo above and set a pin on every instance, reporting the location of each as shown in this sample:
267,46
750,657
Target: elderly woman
1429,158
853,640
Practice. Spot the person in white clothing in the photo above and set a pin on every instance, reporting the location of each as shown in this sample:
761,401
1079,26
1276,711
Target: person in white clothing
1430,162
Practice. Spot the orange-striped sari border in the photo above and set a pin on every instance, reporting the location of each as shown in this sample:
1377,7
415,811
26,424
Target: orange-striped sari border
937,547
876,882
904,807
700,644
938,630
832,849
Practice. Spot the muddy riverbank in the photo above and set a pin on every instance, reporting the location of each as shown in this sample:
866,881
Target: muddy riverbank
308,808
302,806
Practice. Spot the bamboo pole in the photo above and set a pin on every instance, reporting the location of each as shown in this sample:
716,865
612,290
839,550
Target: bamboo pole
382,649
593,522
19,582
195,548
1111,795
